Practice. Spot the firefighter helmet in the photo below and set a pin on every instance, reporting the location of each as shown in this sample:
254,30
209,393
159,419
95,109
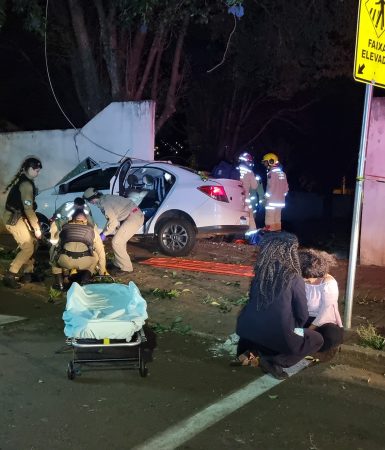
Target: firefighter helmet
246,158
90,194
271,158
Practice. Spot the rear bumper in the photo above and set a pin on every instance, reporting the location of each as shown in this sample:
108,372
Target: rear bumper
222,230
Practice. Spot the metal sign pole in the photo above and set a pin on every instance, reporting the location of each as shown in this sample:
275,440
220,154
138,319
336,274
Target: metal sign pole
357,208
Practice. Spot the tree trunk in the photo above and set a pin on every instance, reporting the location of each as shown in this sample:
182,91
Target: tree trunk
93,94
171,97
133,61
156,47
109,43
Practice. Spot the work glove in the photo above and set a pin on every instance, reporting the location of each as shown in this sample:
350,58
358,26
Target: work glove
103,237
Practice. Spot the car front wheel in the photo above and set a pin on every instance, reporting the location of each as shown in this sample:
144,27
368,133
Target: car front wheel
176,237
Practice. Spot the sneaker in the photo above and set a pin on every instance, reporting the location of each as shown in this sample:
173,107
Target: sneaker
274,370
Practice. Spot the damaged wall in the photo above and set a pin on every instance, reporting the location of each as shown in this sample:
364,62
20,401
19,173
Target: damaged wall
372,244
121,129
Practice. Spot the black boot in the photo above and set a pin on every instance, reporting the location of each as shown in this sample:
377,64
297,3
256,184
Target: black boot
26,278
10,281
58,282
85,277
273,369
30,277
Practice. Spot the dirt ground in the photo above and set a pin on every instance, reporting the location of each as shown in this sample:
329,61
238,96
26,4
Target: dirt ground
209,303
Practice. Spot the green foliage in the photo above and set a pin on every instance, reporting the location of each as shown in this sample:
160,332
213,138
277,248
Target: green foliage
278,49
225,304
176,326
164,293
54,294
155,13
370,337
32,13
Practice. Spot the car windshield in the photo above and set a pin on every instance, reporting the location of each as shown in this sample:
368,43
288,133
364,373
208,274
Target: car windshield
84,165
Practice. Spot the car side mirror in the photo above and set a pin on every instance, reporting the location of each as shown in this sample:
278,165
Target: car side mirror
63,189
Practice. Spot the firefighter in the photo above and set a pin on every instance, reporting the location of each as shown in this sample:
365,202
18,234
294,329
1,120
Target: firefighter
22,222
252,185
124,218
80,248
276,190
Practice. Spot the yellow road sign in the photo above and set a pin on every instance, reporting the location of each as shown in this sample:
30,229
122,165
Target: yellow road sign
369,61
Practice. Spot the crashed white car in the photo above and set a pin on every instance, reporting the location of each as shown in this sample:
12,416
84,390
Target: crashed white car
179,204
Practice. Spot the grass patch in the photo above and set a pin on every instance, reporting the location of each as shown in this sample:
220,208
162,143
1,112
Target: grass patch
164,293
370,337
225,304
176,326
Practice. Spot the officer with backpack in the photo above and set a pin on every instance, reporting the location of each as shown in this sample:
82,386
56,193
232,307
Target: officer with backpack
79,249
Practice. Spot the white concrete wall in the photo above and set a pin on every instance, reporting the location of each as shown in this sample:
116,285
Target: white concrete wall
372,244
121,129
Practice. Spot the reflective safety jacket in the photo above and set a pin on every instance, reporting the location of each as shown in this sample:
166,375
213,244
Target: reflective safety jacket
276,188
252,185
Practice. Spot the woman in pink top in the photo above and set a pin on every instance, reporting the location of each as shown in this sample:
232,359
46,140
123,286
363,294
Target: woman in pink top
322,297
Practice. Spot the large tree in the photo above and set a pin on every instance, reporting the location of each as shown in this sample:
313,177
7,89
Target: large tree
119,50
278,50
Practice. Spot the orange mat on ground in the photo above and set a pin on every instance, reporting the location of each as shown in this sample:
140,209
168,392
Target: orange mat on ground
200,266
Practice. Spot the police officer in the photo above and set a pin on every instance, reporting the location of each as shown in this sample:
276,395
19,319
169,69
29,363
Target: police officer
79,248
276,190
124,218
64,213
21,221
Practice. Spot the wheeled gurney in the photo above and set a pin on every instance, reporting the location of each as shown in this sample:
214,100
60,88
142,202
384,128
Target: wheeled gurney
104,327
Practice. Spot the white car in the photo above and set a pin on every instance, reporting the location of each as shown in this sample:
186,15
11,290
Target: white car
179,204
87,173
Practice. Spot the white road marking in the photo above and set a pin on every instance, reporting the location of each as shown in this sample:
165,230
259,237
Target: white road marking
9,319
185,430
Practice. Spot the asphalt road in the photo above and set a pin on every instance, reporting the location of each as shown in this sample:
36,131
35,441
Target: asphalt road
183,403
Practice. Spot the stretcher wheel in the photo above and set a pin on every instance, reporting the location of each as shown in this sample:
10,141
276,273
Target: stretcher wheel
143,371
71,372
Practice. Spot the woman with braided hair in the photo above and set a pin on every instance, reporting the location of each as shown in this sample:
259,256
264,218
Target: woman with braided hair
21,221
271,323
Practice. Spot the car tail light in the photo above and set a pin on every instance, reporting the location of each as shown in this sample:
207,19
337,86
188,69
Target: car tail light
215,192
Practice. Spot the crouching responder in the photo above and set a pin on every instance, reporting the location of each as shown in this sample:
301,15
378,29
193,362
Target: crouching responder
252,185
64,214
21,221
124,218
276,190
80,249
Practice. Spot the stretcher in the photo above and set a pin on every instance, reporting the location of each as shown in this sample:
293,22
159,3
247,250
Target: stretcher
104,327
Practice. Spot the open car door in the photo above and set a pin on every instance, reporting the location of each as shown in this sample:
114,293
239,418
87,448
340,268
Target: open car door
118,186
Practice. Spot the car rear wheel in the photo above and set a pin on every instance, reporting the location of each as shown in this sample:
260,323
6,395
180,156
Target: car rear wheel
176,237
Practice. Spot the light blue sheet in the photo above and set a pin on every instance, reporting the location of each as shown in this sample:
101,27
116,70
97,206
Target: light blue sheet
99,311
